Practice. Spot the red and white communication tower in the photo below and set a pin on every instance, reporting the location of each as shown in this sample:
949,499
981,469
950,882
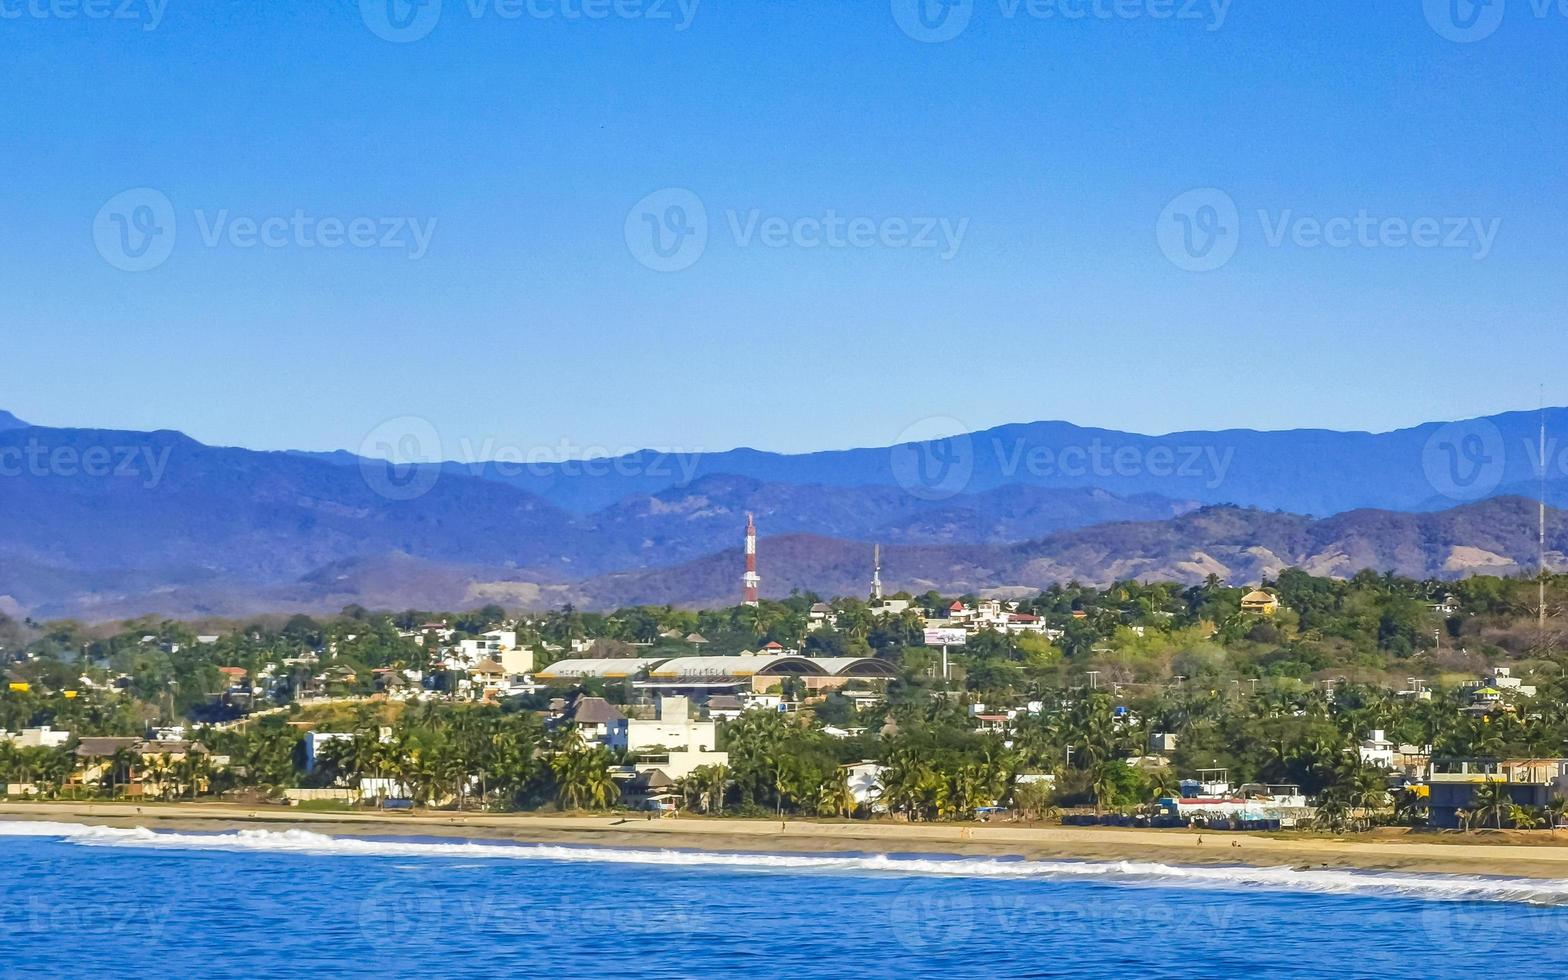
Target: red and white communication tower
751,579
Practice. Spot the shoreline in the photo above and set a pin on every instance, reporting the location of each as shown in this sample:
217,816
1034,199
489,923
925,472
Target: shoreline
1545,858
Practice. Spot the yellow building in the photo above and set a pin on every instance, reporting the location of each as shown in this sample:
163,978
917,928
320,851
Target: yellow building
1259,603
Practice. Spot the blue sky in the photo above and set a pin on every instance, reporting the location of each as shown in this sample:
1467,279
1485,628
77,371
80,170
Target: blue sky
527,320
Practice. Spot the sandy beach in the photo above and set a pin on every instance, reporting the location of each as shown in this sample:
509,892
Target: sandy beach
1537,854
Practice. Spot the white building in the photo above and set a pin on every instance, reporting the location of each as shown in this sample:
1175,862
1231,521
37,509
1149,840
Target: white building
497,645
37,738
1504,680
673,728
315,741
1376,750
598,722
865,782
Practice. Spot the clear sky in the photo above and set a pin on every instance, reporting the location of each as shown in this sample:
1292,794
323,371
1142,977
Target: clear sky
1045,151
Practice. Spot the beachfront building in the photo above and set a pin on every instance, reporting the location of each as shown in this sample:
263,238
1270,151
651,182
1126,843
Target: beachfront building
597,722
671,726
1454,782
865,782
1210,802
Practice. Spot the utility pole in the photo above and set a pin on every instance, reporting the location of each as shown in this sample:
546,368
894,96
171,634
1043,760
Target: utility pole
1541,585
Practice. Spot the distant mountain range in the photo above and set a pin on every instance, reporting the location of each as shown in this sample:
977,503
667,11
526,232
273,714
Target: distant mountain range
106,524
1306,471
1497,536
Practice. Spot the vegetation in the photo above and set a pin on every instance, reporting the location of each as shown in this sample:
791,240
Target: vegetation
1281,698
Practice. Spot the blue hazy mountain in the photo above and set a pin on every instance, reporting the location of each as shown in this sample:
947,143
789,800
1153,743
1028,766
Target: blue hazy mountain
103,523
1306,471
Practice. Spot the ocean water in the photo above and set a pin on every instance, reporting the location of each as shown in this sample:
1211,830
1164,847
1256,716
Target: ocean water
81,901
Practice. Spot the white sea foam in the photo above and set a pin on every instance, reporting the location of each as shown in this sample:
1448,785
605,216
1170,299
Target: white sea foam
1432,887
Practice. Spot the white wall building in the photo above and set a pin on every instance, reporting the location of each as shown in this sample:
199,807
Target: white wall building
1377,750
674,728
37,738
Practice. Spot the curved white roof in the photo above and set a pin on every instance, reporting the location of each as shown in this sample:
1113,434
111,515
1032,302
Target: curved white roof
607,667
744,665
748,665
857,667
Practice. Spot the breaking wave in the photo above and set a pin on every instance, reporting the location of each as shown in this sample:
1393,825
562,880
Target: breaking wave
1430,887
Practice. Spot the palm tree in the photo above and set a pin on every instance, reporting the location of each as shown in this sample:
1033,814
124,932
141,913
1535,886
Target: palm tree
1163,783
1103,784
835,798
1333,812
1491,799
602,788
1556,808
122,769
1522,817
715,781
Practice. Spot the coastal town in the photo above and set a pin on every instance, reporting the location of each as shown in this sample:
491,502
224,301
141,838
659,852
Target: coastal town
1278,706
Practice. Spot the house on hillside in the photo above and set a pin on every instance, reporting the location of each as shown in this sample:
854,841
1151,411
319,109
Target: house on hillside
1259,603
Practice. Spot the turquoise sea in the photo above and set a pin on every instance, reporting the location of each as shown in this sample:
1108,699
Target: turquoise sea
95,902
